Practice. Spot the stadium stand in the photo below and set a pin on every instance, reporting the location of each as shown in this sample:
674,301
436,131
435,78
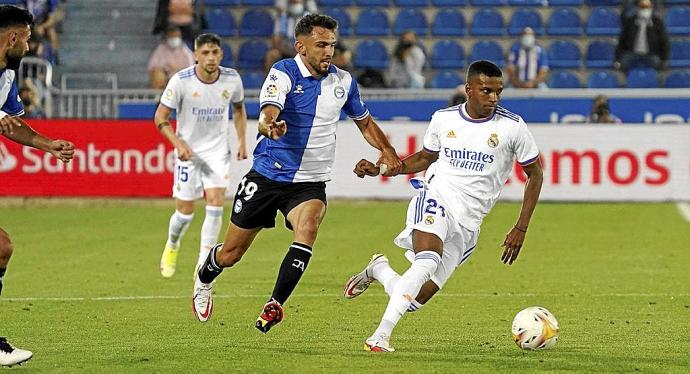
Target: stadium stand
372,22
564,21
251,54
564,79
604,21
488,50
343,18
642,78
603,79
680,54
446,79
411,19
256,23
678,79
678,21
487,22
447,54
448,22
522,18
600,54
564,54
371,54
220,22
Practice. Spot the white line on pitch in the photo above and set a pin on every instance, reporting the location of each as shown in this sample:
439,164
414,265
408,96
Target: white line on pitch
178,297
684,209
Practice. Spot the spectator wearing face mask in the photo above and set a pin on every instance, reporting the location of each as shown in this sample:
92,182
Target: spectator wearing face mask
407,63
643,41
601,112
171,56
283,39
528,65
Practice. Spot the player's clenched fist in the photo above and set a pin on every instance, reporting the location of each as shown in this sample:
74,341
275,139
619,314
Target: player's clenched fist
62,150
365,167
277,129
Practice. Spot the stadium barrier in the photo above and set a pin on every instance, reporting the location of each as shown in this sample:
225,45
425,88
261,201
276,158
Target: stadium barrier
581,163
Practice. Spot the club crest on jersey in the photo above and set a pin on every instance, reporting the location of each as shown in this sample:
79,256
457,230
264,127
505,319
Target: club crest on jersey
451,134
493,141
226,94
299,89
429,220
168,94
238,206
339,92
271,90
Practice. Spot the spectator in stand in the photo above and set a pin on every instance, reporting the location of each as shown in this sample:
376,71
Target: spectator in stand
601,112
405,70
643,41
342,57
188,15
29,97
528,65
171,56
458,97
283,39
45,18
309,5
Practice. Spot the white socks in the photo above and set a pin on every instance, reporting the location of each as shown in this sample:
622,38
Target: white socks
209,231
179,223
383,273
406,289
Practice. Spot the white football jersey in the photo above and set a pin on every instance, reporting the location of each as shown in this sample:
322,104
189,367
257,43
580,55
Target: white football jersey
202,108
475,159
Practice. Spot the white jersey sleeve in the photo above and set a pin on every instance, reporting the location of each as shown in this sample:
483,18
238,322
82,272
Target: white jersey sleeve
238,92
524,147
172,96
432,141
275,89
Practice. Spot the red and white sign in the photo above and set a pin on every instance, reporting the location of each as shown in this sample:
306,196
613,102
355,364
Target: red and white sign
581,162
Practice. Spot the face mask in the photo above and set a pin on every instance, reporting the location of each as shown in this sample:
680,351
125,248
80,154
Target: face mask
527,41
645,13
406,44
296,10
174,42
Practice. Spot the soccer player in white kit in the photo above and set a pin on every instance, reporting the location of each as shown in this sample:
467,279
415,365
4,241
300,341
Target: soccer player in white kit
468,155
201,95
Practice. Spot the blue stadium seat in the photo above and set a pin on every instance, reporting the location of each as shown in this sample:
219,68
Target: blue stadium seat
488,50
447,54
221,2
446,79
343,18
482,3
410,19
442,3
564,21
220,21
9,2
253,80
251,55
329,3
518,3
522,18
676,2
227,55
487,22
600,54
258,2
603,21
372,22
256,23
371,54
448,22
370,3
406,3
564,79
603,79
566,2
594,3
678,79
678,21
642,78
564,54
680,54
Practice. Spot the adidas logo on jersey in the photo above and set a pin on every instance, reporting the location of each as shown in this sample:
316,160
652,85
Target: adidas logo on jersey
451,134
196,94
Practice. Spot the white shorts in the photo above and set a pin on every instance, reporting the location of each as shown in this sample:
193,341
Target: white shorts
427,213
192,177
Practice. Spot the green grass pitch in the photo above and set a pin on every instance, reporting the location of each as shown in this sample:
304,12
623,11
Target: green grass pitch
83,291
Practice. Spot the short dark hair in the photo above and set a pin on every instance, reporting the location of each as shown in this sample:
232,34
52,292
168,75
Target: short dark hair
487,68
307,23
11,15
206,39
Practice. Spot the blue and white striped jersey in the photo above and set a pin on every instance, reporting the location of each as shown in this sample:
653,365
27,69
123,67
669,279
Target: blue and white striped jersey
311,109
10,103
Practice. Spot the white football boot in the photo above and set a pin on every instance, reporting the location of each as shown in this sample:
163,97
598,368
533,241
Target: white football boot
379,343
359,283
202,300
10,355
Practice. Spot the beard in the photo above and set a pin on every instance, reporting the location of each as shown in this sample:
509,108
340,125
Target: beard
13,62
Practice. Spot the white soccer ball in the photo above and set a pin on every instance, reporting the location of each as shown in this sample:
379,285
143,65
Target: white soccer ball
535,328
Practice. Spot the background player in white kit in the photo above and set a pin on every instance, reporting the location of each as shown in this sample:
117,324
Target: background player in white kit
201,95
472,147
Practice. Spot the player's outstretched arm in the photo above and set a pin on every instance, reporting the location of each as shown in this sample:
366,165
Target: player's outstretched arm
516,236
268,126
24,134
239,117
374,135
413,164
161,119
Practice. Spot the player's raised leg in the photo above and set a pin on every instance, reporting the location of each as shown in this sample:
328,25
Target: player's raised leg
305,220
212,223
428,250
226,254
361,281
179,223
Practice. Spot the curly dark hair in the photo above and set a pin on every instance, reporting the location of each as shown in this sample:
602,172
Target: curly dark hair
307,23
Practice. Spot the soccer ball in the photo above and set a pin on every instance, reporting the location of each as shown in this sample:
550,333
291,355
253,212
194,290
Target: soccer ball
535,328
